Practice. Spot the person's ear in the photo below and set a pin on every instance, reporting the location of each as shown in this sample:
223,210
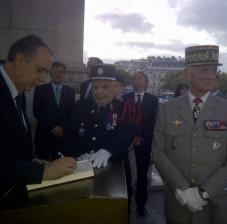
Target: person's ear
20,60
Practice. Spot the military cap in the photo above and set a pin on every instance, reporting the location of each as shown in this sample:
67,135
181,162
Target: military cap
202,55
94,61
105,71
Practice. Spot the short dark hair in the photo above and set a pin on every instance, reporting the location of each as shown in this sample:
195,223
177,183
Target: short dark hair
179,88
58,63
27,46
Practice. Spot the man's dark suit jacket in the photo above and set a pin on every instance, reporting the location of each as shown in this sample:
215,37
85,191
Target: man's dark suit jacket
143,151
83,89
148,113
16,168
48,115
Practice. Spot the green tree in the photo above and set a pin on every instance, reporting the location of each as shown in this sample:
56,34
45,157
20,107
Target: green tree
126,75
172,79
222,82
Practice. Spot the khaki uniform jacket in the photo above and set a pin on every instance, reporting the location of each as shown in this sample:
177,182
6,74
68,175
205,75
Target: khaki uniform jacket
186,154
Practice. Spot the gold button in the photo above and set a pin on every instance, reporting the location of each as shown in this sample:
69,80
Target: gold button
193,150
193,165
193,180
194,135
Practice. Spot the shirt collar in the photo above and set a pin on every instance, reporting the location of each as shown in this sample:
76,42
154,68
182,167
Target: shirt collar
54,85
203,98
12,88
141,94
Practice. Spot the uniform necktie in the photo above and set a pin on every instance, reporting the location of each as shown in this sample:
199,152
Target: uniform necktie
139,101
197,109
19,103
58,94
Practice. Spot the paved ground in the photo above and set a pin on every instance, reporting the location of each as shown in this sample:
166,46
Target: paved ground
154,208
155,197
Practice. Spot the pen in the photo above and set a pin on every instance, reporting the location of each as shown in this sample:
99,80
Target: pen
60,154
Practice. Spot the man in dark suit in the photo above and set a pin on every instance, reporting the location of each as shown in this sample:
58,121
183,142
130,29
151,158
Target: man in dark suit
142,143
52,105
29,59
85,88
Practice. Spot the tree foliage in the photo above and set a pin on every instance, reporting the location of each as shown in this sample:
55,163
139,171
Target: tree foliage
126,75
172,79
222,82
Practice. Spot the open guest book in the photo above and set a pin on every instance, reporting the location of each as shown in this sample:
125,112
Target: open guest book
83,170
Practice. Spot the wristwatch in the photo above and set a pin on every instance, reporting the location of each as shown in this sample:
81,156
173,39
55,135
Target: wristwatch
205,196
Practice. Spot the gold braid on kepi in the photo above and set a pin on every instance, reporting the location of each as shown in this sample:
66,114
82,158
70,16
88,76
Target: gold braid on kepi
202,55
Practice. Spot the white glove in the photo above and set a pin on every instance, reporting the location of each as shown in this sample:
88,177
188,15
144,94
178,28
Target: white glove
85,156
191,198
100,158
180,196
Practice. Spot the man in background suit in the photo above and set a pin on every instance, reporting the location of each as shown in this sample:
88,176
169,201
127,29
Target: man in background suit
190,145
29,59
52,106
142,143
85,87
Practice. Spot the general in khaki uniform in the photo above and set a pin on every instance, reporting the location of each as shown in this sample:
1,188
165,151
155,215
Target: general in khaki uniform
190,146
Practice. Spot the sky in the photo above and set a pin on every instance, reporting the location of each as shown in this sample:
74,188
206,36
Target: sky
133,29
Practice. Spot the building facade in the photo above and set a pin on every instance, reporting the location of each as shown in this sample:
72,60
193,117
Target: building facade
59,23
155,67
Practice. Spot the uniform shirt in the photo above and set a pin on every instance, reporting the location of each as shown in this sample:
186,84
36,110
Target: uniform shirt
203,98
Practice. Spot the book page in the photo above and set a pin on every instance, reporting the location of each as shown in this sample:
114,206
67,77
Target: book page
83,170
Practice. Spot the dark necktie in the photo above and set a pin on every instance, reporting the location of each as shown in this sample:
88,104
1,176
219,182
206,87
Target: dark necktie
197,109
139,101
19,102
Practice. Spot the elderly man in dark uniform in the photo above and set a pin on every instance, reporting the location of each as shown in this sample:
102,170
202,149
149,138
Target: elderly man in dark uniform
102,127
190,147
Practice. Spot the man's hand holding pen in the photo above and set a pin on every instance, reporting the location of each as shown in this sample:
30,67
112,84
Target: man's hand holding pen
59,168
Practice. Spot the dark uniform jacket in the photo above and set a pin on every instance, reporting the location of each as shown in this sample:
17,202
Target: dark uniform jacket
16,151
48,115
111,128
83,90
